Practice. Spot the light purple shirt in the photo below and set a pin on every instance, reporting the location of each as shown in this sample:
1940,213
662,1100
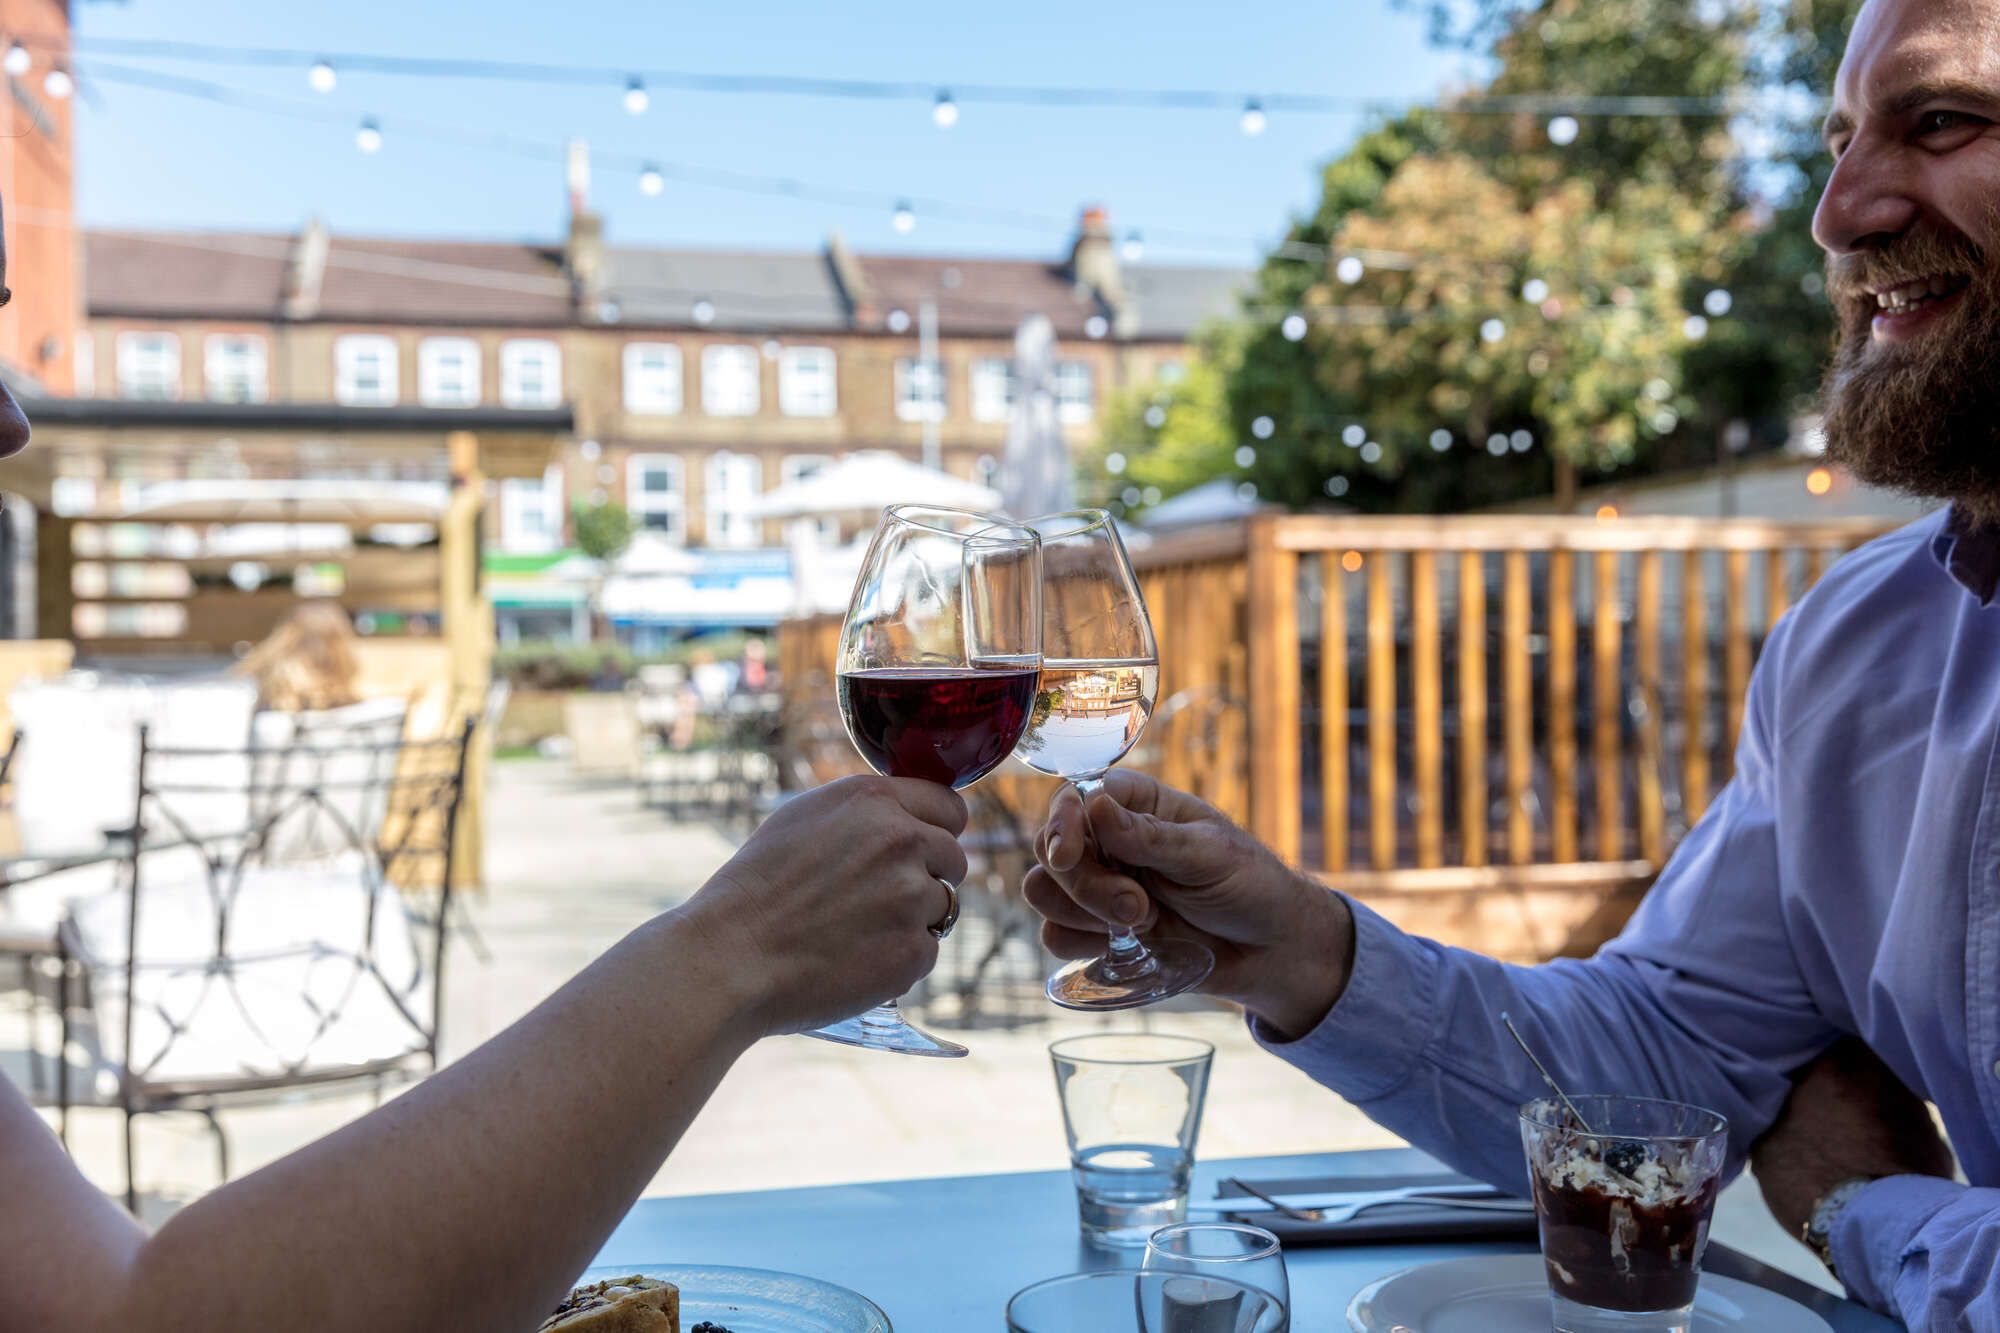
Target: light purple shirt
1846,881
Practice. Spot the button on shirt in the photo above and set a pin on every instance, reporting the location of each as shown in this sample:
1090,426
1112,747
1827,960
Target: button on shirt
1846,881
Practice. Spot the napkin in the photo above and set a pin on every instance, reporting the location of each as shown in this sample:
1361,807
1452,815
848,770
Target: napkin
1402,1221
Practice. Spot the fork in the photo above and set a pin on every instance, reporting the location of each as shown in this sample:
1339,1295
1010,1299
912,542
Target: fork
1350,1208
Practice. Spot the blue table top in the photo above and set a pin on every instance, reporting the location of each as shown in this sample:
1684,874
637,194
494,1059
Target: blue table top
943,1256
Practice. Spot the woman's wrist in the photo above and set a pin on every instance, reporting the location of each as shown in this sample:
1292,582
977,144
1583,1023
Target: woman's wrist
733,980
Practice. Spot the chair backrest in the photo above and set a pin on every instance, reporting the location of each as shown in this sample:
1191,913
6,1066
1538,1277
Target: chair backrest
340,752
216,963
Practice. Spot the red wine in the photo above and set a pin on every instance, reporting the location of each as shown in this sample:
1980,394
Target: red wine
949,725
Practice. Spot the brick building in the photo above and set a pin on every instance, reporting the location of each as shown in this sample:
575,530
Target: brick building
698,379
38,337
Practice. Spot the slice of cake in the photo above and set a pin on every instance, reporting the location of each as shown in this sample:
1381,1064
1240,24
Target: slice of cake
622,1305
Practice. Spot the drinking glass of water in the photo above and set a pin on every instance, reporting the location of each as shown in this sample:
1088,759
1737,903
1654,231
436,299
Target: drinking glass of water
1131,1105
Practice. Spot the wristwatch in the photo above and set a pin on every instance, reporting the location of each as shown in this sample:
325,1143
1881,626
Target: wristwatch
1818,1230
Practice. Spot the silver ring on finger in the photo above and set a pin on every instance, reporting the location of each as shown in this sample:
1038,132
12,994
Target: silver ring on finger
943,927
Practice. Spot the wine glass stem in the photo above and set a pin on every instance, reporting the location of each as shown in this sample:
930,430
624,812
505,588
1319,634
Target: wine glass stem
1126,959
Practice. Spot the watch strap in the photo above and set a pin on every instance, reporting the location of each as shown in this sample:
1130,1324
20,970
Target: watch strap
1825,1216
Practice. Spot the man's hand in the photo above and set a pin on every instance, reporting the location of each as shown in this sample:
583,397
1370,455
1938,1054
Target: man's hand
826,909
1848,1115
1283,945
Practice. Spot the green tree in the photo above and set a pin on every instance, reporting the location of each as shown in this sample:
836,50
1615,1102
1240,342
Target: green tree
603,532
1171,435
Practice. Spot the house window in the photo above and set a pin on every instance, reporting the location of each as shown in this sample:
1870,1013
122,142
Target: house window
992,388
801,467
531,513
448,372
806,382
729,380
919,389
652,378
149,366
233,367
364,370
734,481
530,373
1074,392
655,494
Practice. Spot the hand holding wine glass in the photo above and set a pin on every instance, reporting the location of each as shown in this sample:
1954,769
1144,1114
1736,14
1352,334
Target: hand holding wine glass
939,656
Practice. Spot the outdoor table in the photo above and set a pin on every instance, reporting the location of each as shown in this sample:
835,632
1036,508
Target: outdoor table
943,1256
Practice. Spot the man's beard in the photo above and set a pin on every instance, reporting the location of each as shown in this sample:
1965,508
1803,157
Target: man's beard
1922,417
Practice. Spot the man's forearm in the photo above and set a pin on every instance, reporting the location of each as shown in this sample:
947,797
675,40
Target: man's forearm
496,1179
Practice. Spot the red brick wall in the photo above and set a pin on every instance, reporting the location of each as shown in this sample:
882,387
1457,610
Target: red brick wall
38,331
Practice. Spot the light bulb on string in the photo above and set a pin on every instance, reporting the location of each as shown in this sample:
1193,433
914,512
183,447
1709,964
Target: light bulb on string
904,219
1353,435
1247,492
1371,452
1718,302
652,183
1336,486
1563,131
1694,328
1440,440
322,78
1253,121
1493,330
369,137
637,99
898,321
1096,327
703,312
1156,416
1496,445
17,60
1294,327
944,111
1114,463
1133,249
1350,269
1263,428
1534,291
1151,495
1245,455
58,84
1521,441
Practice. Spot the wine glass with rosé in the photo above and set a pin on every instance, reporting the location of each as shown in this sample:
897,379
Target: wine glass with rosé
1100,673
939,657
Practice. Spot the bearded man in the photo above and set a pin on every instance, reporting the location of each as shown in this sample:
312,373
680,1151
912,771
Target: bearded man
1822,956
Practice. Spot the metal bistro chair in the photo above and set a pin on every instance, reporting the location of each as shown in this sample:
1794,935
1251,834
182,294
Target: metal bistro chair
220,973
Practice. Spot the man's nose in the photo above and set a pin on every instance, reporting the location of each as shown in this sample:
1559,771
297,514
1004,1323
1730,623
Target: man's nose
1868,198
13,425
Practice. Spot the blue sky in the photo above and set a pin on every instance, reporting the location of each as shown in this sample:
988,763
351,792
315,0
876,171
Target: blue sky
153,158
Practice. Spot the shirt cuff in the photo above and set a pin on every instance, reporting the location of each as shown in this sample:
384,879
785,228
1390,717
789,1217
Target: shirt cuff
1873,1233
1376,1032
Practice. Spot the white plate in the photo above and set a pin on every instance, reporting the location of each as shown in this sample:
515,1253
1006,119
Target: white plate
751,1300
1505,1293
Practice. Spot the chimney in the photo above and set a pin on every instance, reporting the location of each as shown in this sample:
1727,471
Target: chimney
305,271
1093,260
583,249
853,283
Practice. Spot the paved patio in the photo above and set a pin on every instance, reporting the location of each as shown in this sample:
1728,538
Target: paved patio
574,864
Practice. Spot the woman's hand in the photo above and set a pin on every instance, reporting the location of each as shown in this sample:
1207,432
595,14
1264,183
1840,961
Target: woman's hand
826,909
1169,864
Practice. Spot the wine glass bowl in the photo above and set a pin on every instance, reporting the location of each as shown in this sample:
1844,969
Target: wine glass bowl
1100,675
939,658
1234,1251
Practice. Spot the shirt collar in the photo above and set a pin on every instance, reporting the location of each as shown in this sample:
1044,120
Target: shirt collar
1969,551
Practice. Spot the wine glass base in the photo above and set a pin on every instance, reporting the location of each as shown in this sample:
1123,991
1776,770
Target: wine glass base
899,1038
1183,965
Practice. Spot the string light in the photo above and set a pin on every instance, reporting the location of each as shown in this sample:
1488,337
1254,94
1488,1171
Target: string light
1694,328
1353,435
1496,445
944,111
1151,495
322,78
904,219
1245,455
1534,291
1819,481
1133,248
369,137
1718,302
17,61
1563,131
1336,487
1665,420
1263,428
1493,330
651,182
703,312
1350,269
1096,327
1521,441
1371,452
898,321
1114,463
637,99
58,84
1440,439
1131,495
1351,561
1247,491
1253,120
1156,416
1606,513
1294,327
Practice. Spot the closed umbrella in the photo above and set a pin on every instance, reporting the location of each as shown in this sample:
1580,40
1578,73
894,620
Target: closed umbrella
1035,472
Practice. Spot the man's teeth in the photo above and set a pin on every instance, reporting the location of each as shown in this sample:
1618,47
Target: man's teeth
1912,294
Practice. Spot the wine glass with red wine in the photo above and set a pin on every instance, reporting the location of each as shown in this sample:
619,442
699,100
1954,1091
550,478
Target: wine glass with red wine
1100,673
938,663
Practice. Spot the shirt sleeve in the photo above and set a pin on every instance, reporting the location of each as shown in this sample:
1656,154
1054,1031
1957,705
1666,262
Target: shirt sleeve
1699,1000
1925,1250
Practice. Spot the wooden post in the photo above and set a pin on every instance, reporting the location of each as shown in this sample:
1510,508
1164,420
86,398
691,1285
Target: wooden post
1777,586
1735,650
1562,707
1381,714
1333,712
1652,810
1694,686
468,635
1609,706
55,565
1427,697
1519,718
1472,811
1274,690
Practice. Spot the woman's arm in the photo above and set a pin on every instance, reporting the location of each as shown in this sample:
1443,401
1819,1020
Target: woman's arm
473,1200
